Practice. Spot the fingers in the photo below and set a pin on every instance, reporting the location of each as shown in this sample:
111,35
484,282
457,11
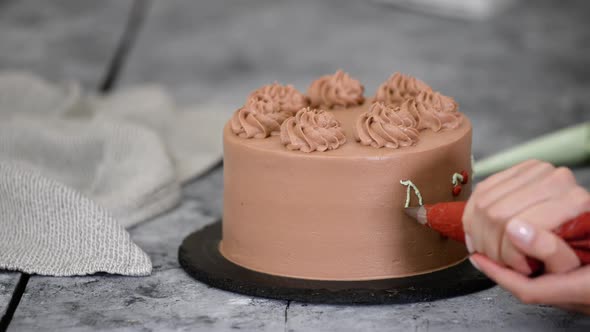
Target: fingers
552,213
481,228
512,257
543,184
539,197
490,182
530,233
555,289
493,206
500,191
543,245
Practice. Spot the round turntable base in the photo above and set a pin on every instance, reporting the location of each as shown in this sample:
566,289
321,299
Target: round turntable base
200,257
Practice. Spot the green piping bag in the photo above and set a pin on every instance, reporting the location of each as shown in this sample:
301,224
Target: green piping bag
565,147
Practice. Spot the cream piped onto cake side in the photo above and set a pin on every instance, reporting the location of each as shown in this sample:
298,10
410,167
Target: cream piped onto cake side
322,199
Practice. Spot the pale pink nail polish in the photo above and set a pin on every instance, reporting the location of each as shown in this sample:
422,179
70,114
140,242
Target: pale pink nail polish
521,231
468,243
472,261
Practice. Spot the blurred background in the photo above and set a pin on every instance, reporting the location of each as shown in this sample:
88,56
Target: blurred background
518,68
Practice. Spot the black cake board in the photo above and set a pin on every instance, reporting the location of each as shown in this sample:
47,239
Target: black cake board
200,257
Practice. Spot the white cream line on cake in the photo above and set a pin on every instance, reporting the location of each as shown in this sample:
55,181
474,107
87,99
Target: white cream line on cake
410,185
457,179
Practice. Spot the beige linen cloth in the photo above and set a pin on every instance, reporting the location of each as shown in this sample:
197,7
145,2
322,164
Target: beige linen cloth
76,170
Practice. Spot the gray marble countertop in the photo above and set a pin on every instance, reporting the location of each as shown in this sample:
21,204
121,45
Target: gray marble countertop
517,75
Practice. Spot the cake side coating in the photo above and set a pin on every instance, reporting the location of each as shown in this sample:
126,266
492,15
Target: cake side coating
338,214
322,197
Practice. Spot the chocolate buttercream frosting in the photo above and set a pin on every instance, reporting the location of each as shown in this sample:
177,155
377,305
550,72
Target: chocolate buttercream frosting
434,111
312,130
259,118
336,91
386,126
400,87
341,216
286,96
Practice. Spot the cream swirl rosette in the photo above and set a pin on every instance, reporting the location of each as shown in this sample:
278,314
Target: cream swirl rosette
386,126
259,118
286,97
336,91
433,111
312,130
400,87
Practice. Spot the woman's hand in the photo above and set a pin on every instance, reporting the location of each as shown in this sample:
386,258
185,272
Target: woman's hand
570,290
512,214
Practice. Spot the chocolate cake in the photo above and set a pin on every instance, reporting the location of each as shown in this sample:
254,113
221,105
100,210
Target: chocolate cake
315,184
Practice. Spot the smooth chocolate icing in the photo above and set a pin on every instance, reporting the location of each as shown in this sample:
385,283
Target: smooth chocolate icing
384,126
286,96
400,87
312,130
339,214
336,91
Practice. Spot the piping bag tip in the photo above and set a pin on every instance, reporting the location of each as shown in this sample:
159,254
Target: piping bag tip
417,213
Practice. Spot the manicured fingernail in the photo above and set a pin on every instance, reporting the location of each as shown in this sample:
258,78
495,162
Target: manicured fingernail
474,263
521,231
468,243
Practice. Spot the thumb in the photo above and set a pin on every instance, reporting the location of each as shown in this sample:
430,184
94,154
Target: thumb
542,245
